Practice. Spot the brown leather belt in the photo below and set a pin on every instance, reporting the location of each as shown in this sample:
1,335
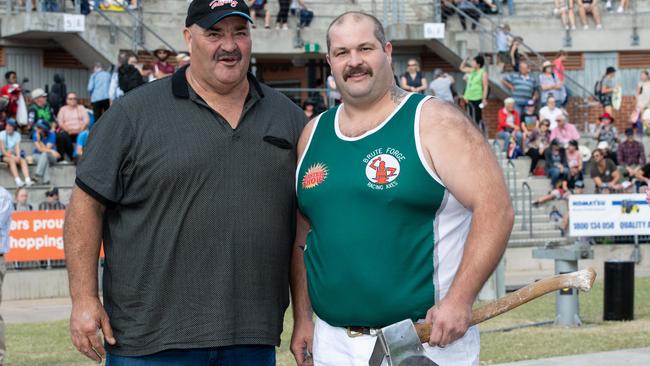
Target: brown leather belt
356,331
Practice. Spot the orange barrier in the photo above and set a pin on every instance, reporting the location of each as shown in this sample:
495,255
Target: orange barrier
36,235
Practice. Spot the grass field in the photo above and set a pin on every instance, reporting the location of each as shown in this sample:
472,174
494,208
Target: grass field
48,343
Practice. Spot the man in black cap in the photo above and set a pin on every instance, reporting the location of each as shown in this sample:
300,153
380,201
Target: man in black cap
189,182
51,201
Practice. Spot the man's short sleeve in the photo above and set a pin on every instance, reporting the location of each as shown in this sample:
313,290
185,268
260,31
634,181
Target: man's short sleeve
107,157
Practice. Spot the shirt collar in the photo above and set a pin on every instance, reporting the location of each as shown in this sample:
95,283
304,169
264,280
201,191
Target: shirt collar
181,88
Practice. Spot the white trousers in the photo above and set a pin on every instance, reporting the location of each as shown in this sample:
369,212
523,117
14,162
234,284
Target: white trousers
333,347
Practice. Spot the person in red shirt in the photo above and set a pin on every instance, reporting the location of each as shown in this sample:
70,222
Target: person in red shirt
13,92
559,64
509,124
162,68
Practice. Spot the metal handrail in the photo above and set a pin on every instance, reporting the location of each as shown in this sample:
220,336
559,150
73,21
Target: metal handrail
147,28
119,28
525,187
511,167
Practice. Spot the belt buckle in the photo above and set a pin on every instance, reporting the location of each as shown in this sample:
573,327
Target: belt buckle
352,333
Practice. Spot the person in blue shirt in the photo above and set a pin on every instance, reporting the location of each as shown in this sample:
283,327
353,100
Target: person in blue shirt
45,152
98,87
81,144
12,154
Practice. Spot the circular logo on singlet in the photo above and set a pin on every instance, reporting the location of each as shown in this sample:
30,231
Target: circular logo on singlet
382,169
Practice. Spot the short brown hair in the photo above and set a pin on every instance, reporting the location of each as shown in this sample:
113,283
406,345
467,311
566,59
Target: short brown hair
380,34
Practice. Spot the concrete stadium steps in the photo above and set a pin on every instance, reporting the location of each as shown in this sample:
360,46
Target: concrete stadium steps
61,175
535,8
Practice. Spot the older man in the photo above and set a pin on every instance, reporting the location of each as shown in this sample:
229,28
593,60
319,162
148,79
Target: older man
390,229
189,183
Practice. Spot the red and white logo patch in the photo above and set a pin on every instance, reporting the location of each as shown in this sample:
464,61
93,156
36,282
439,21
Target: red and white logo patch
217,3
314,176
382,169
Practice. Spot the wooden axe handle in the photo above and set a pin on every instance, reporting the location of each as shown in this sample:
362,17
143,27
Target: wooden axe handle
582,280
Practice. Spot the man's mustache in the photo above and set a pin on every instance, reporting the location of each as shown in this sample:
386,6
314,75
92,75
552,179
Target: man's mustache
236,54
357,70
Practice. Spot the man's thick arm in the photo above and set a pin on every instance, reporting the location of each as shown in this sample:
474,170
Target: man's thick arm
475,179
82,238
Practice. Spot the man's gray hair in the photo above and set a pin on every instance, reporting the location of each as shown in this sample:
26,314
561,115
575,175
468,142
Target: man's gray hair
357,16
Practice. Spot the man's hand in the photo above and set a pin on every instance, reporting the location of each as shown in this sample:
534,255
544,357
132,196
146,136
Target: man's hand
301,342
449,321
87,318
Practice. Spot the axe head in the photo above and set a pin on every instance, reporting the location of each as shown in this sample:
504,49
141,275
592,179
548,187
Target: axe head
399,345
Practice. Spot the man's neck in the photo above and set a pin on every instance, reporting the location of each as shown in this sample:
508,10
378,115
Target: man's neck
221,93
370,113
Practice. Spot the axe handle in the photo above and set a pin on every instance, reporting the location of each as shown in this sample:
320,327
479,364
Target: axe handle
582,280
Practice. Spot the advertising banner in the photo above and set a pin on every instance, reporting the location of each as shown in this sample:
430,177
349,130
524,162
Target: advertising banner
608,215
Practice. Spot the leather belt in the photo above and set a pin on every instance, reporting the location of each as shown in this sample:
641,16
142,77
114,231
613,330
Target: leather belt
356,331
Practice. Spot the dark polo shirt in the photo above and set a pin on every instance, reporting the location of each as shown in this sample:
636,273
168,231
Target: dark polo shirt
200,217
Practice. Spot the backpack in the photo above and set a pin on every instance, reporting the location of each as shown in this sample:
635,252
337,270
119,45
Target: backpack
598,87
128,78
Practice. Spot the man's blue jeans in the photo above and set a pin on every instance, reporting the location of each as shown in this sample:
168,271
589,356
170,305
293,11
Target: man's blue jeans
218,356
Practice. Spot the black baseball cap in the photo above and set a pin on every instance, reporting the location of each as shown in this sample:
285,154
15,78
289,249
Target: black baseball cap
206,13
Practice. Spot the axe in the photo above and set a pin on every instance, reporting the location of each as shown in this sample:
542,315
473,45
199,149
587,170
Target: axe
400,344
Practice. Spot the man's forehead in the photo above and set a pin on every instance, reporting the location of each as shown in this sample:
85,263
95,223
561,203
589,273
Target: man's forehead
352,30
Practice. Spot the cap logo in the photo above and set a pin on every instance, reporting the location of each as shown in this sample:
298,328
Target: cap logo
218,3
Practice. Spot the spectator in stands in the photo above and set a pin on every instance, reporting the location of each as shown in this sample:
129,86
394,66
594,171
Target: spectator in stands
536,144
283,15
503,46
476,89
606,87
12,154
630,154
468,7
488,7
558,64
308,107
332,91
258,9
509,124
643,92
51,202
82,141
607,152
57,94
565,9
305,15
98,85
45,152
550,84
114,90
515,56
446,10
556,164
13,91
441,85
161,67
72,119
40,109
564,131
182,59
604,173
413,80
530,119
130,75
643,179
572,184
522,85
606,131
147,73
21,203
573,155
550,111
589,6
621,8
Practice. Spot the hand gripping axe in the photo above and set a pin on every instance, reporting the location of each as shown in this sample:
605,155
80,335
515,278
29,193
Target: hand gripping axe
400,344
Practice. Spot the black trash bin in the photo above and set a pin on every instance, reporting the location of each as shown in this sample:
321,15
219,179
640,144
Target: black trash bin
619,290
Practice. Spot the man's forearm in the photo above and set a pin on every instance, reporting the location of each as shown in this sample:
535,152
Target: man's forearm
299,294
484,247
82,240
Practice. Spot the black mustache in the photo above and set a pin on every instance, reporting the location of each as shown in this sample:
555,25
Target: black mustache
236,54
356,70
